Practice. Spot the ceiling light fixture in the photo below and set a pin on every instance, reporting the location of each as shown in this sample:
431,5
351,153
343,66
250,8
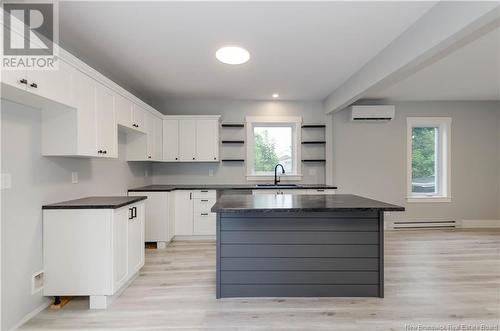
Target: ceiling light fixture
232,55
275,95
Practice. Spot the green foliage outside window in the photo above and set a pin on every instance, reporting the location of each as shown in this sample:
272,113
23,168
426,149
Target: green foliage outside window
265,154
423,152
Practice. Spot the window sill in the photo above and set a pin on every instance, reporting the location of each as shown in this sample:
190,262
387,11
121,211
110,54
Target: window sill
269,177
428,199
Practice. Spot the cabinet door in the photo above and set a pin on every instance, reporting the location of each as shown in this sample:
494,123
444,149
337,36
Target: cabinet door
53,84
171,140
135,239
16,78
120,263
123,109
139,118
158,139
107,135
150,136
83,94
207,140
156,220
183,213
187,140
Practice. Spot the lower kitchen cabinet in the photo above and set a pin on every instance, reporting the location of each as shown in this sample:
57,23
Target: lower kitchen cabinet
192,213
159,218
92,252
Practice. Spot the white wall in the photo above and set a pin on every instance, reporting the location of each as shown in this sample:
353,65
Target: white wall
37,180
235,112
370,159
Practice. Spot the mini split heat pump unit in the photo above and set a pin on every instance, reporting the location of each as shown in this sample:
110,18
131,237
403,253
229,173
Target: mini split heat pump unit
378,113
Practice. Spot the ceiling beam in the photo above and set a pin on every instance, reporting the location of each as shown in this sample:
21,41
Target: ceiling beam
444,28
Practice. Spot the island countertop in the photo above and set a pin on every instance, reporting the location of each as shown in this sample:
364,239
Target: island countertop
223,187
242,203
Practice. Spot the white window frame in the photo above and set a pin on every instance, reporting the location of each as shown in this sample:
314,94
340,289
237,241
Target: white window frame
295,122
443,159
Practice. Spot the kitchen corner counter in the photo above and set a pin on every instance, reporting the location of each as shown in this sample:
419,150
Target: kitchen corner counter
112,202
241,203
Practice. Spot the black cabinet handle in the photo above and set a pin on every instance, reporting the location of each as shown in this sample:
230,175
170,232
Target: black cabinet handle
203,191
149,156
190,195
23,81
215,158
204,200
99,151
130,213
321,190
105,152
204,214
193,158
34,85
176,158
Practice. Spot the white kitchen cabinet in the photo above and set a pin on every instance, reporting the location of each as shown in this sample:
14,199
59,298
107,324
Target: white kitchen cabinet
192,213
159,219
158,139
107,134
124,111
146,146
207,140
191,139
187,140
170,140
184,207
139,118
54,84
92,252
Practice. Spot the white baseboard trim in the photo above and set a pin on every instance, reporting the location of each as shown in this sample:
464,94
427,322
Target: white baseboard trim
32,314
471,224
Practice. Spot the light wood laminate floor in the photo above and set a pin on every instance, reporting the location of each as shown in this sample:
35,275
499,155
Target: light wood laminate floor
432,278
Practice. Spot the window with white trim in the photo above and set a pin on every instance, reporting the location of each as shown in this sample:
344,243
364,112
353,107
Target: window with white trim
273,140
428,159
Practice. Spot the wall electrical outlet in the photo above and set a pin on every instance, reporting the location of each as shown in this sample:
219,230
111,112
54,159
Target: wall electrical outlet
74,177
37,282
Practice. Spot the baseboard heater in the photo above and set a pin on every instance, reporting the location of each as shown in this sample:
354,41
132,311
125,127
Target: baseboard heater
442,224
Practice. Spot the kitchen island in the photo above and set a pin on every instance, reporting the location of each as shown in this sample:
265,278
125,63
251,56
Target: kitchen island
300,245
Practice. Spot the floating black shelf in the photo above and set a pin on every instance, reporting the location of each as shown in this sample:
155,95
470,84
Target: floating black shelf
233,141
233,160
313,142
232,125
311,126
314,160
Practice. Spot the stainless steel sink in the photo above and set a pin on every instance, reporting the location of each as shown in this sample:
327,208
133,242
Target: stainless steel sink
276,185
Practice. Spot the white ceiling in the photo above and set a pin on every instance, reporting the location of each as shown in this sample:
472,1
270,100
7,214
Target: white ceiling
469,73
302,50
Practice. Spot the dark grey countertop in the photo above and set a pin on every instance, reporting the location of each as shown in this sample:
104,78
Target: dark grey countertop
173,187
95,203
242,203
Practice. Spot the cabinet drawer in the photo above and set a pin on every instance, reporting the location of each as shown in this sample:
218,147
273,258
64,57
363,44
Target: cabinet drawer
204,224
204,194
203,205
321,191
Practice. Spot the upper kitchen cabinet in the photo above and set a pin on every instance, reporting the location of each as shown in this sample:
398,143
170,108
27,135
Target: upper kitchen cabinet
170,140
51,85
191,138
107,134
130,115
146,146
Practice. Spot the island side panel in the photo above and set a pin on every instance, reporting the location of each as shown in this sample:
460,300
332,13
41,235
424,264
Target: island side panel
381,253
298,254
218,262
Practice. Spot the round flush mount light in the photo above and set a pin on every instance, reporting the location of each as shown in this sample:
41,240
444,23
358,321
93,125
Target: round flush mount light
275,95
232,55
